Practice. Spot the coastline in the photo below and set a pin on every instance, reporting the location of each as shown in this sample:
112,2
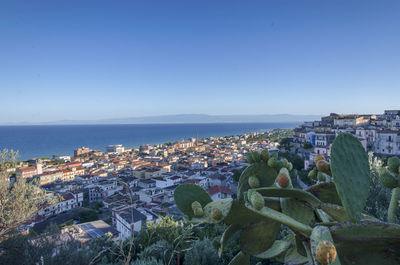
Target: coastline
36,141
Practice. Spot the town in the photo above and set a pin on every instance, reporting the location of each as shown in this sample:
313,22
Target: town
379,134
122,189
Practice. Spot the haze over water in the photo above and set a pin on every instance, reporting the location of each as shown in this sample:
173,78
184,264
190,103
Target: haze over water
45,141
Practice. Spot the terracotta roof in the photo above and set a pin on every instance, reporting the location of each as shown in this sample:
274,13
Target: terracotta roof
68,196
216,189
26,169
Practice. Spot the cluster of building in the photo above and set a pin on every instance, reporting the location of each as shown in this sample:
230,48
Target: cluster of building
378,133
136,186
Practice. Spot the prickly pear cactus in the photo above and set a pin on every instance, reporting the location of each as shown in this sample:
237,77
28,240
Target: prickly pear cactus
350,171
186,194
325,221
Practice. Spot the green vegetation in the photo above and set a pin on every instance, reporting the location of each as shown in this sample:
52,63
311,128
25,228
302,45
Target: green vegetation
277,134
324,224
166,242
87,216
307,145
19,200
337,220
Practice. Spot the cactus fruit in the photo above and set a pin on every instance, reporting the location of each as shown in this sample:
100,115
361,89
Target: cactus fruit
216,214
285,162
325,253
195,205
290,166
394,164
312,174
388,179
198,212
197,209
272,162
283,180
249,158
254,182
257,200
318,158
265,155
323,166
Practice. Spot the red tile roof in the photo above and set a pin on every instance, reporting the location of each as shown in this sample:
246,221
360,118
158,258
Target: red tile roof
26,169
216,189
68,196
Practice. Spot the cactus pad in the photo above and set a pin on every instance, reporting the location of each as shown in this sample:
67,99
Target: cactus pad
326,192
226,236
367,243
257,238
216,211
298,210
394,164
388,179
290,193
277,248
186,194
339,214
350,171
265,174
240,259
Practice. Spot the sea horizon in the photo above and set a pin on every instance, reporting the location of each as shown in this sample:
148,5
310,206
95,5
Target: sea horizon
37,141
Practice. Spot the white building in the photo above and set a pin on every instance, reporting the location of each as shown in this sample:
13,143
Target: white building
387,142
118,148
127,220
219,192
67,203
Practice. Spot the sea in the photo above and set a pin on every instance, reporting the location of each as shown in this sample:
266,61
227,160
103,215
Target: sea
37,141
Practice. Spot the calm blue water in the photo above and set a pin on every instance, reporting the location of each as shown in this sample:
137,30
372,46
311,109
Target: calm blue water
45,141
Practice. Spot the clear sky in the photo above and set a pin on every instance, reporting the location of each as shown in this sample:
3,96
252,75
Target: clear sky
107,59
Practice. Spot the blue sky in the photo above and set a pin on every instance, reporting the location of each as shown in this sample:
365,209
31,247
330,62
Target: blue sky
106,59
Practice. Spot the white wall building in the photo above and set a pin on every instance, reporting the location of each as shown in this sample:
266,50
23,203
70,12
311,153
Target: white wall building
128,220
118,148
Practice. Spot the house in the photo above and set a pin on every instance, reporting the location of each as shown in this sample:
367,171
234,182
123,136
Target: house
387,142
128,220
68,202
299,135
26,172
367,134
310,137
68,175
219,192
147,183
79,196
50,176
324,138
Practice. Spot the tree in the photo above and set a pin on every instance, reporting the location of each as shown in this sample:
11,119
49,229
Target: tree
88,216
307,145
20,200
285,144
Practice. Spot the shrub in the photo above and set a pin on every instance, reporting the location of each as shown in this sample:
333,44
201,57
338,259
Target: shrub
201,253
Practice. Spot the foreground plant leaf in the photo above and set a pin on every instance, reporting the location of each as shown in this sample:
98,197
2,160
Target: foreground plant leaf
186,194
350,171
